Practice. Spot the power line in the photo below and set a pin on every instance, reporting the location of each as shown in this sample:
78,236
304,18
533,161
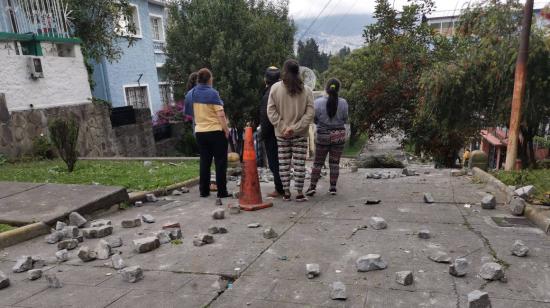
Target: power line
315,20
343,17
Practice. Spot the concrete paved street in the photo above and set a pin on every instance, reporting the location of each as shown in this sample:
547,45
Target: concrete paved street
271,273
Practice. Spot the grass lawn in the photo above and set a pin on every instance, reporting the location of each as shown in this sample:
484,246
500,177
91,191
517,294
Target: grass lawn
132,174
4,228
355,149
539,178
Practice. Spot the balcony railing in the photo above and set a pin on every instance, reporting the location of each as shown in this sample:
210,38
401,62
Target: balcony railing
42,17
159,46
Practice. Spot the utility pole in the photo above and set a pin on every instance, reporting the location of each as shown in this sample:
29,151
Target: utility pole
519,87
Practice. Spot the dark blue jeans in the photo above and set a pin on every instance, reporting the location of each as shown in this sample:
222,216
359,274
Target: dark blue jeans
272,153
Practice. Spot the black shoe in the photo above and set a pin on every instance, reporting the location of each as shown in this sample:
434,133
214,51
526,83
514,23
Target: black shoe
205,195
301,198
287,197
332,191
223,195
310,192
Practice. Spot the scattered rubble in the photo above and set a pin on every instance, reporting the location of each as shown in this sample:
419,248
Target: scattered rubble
381,175
164,237
404,278
459,267
100,223
218,214
203,239
517,206
98,232
76,219
60,225
378,223
103,250
148,218
34,274
54,237
428,198
171,225
67,244
151,198
313,270
478,299
184,190
86,255
62,255
175,234
131,223
519,249
424,234
439,257
115,241
117,262
338,291
370,262
38,262
234,209
491,271
70,232
4,281
269,233
408,172
53,281
138,203
254,225
176,192
489,202
525,192
23,264
373,202
146,244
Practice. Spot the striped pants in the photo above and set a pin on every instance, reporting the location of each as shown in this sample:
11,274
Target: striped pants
292,152
334,151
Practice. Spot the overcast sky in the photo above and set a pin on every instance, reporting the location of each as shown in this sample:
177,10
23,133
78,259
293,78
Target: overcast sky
309,8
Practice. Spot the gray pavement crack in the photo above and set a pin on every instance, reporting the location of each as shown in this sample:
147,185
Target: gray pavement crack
455,290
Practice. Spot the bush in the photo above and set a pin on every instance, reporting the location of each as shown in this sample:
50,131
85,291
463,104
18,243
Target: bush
3,159
187,145
42,148
64,136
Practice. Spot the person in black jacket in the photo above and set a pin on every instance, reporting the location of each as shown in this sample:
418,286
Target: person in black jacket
272,75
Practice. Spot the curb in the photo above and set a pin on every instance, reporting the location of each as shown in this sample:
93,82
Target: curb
537,216
22,234
141,195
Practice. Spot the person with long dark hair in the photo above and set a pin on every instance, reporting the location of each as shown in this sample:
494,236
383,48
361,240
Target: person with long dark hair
211,132
290,110
331,115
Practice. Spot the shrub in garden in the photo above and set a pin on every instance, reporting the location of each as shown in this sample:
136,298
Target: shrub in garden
42,148
64,136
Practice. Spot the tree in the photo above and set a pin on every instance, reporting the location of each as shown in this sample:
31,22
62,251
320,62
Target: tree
344,52
310,56
236,39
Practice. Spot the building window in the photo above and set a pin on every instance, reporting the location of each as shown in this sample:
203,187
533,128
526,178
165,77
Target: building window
157,27
165,93
137,97
133,21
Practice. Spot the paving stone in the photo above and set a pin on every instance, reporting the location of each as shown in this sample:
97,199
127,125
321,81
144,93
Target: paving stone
146,244
60,225
23,264
218,214
234,209
115,241
203,239
428,198
459,267
4,281
151,198
491,271
53,281
103,250
269,233
98,232
254,225
34,274
525,192
100,223
439,257
76,219
131,274
163,236
338,291
86,255
313,270
117,262
54,237
404,278
517,206
370,262
478,299
519,249
148,218
70,232
67,244
424,234
38,262
62,255
131,223
213,230
378,223
489,202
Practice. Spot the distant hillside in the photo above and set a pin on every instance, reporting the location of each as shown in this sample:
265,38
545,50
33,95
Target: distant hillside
335,31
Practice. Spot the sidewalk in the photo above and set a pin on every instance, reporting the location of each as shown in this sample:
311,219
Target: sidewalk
271,273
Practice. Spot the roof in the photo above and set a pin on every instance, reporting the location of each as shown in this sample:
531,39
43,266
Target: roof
491,138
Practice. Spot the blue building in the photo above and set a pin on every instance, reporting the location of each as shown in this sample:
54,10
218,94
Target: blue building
137,79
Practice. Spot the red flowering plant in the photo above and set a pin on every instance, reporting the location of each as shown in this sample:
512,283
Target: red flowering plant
545,12
171,113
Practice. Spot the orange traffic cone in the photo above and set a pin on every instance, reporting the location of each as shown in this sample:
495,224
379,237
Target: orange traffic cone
250,198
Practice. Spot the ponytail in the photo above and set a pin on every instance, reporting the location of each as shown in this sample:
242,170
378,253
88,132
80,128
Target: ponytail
332,89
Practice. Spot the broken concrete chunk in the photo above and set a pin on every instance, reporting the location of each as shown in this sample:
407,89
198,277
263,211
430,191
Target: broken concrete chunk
34,274
100,223
218,214
439,257
163,236
176,192
97,232
62,255
4,281
67,244
459,267
53,281
70,232
138,204
118,262
131,274
517,206
519,249
213,230
184,190
103,250
313,270
478,299
254,225
86,255
428,198
234,209
378,223
175,234
146,244
338,291
115,241
55,237
203,239
131,223
38,262
222,230
269,233
151,198
148,218
404,278
76,219
424,234
489,202
491,271
525,192
23,264
408,172
171,225
60,225
370,262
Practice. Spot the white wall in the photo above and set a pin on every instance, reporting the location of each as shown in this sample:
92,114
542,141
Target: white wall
65,80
